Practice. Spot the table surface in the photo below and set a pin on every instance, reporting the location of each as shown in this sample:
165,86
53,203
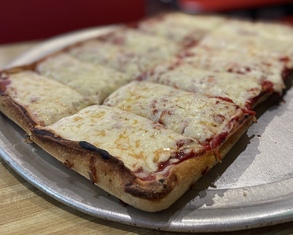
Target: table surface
26,210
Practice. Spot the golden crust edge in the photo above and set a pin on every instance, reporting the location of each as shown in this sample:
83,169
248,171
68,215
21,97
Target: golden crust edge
113,177
199,166
16,113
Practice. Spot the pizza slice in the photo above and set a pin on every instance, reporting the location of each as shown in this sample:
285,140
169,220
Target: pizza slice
133,158
126,50
265,70
253,45
140,42
181,28
209,120
30,99
94,82
258,29
245,91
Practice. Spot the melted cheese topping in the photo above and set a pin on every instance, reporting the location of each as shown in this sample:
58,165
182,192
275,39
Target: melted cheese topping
239,88
276,31
143,43
189,114
178,27
267,47
112,56
93,82
135,53
135,140
46,100
221,60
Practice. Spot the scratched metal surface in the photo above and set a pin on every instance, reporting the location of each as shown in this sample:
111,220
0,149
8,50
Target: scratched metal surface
252,187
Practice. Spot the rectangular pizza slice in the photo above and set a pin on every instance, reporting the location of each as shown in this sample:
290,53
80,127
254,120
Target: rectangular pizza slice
263,69
256,29
245,91
127,50
208,120
94,82
182,28
255,45
135,159
30,99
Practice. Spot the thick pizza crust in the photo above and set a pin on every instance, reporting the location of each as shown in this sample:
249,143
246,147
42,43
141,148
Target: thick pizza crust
10,108
16,113
113,176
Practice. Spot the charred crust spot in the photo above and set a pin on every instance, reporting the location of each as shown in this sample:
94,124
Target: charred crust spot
154,190
161,181
45,133
87,146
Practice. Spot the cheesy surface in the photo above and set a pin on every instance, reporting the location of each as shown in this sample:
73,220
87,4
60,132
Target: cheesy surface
93,82
143,43
219,60
247,28
189,114
179,27
269,47
46,100
239,88
132,53
137,141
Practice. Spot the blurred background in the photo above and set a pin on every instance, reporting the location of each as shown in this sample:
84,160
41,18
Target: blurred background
40,19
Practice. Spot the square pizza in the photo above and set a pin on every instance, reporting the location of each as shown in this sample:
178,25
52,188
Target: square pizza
143,112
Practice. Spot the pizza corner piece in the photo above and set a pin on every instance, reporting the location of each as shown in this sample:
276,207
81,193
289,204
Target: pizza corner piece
141,162
142,114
